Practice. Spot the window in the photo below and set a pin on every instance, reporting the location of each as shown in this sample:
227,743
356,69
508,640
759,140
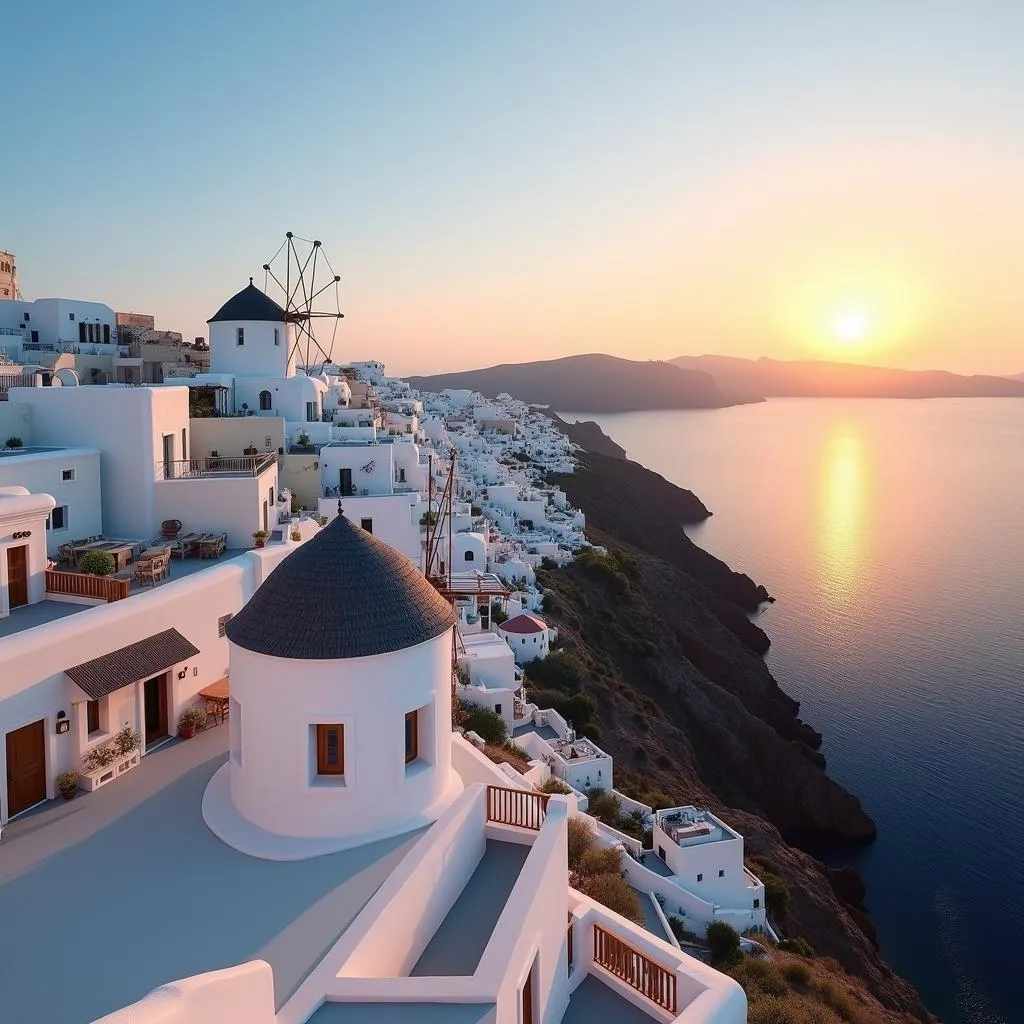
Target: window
412,738
700,878
184,443
721,873
277,336
92,717
367,525
106,334
71,316
81,332
241,335
757,903
497,709
270,496
27,317
330,750
470,556
222,624
67,475
265,400
311,412
58,518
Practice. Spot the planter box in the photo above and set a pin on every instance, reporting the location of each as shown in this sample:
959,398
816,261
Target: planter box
91,781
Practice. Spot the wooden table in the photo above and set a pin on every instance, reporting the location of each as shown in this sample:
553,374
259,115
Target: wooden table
217,698
120,551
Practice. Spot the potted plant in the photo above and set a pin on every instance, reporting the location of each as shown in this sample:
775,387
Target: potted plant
96,563
260,536
192,719
67,784
250,449
296,535
303,440
126,740
14,442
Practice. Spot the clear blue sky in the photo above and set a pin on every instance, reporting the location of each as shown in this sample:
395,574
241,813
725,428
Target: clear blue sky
503,181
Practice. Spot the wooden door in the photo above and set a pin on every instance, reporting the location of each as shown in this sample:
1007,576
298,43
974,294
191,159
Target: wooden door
154,696
527,1014
345,481
17,575
26,767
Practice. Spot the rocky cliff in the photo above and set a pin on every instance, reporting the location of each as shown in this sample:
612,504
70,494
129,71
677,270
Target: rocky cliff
675,689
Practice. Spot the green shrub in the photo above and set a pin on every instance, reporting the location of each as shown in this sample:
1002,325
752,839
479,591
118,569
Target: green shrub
600,861
581,837
579,708
559,670
614,892
555,785
797,945
487,724
604,805
837,1000
548,603
724,942
659,800
603,568
14,441
498,614
771,1010
547,562
776,892
760,975
96,563
797,974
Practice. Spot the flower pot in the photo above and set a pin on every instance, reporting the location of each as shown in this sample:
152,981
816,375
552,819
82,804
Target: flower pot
69,794
186,732
260,543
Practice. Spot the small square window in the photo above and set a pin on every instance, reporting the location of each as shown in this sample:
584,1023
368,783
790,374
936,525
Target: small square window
71,316
757,903
412,737
58,518
721,873
222,624
330,750
67,475
367,525
700,878
27,317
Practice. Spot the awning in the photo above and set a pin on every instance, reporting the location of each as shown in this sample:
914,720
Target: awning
128,665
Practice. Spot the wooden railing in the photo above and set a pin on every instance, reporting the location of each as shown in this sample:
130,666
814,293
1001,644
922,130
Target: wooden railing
636,969
81,584
521,807
197,469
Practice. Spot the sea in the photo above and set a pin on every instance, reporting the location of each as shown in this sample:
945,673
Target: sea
891,533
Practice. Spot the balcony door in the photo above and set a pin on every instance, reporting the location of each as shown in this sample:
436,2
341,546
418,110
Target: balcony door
154,698
168,456
345,480
17,575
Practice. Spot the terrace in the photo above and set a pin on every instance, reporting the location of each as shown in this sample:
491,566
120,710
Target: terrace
218,467
689,826
97,858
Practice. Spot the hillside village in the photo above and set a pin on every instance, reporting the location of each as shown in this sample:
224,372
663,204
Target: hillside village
240,610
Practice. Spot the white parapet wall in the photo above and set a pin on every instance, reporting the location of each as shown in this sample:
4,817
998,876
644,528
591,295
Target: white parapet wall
243,993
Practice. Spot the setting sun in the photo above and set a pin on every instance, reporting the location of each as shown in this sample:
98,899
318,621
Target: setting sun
850,326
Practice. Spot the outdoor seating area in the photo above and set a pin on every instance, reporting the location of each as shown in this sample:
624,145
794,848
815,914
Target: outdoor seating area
184,545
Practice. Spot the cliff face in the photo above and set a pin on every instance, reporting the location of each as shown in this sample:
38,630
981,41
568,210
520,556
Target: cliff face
687,706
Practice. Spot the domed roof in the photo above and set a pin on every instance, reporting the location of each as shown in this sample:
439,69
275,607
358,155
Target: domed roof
249,304
342,594
523,623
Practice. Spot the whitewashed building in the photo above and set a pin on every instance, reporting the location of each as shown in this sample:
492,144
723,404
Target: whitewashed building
527,635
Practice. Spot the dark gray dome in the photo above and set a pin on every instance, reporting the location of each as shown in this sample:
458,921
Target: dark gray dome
249,304
343,594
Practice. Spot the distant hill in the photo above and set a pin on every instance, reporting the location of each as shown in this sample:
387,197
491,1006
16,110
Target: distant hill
744,379
1016,376
596,383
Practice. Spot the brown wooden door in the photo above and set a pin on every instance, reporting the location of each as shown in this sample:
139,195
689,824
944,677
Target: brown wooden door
154,696
527,1015
26,767
17,575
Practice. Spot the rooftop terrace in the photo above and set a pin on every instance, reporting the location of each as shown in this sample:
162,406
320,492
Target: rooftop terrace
126,889
690,826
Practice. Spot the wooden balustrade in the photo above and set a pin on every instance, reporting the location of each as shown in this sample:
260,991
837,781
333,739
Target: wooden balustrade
80,584
636,969
521,807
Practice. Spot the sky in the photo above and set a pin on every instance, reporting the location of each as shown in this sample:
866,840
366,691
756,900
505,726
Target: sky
501,182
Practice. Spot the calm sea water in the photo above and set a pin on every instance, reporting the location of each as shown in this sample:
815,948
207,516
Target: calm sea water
892,535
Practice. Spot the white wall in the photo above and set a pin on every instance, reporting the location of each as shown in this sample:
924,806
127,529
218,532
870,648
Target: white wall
372,467
21,513
42,473
127,425
259,356
707,860
219,504
393,517
288,396
274,783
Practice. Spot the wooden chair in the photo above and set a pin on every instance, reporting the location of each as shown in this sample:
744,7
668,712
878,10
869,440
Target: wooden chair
145,572
162,565
170,528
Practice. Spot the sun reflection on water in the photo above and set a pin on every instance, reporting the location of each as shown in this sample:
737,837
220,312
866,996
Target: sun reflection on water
843,498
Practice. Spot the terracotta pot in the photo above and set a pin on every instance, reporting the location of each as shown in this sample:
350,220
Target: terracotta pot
69,794
186,732
260,543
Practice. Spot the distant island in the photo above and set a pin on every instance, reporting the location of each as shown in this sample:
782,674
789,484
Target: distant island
598,383
749,379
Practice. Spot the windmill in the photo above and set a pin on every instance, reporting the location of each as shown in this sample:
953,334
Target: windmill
308,289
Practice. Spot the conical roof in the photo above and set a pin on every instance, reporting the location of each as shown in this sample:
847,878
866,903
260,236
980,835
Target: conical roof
249,304
343,594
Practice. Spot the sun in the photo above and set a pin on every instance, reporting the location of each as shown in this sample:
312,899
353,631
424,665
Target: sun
851,326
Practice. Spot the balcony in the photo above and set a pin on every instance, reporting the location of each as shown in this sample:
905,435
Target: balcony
79,584
198,469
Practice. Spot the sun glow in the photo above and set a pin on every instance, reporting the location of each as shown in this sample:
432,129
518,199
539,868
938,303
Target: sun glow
851,326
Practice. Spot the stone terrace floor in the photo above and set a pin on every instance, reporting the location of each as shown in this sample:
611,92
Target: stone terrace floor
593,1002
400,1013
107,896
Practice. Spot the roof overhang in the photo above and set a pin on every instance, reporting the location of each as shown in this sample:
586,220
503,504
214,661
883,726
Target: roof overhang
141,660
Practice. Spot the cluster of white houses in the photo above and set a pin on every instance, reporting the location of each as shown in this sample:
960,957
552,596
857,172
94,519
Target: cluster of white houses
331,660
